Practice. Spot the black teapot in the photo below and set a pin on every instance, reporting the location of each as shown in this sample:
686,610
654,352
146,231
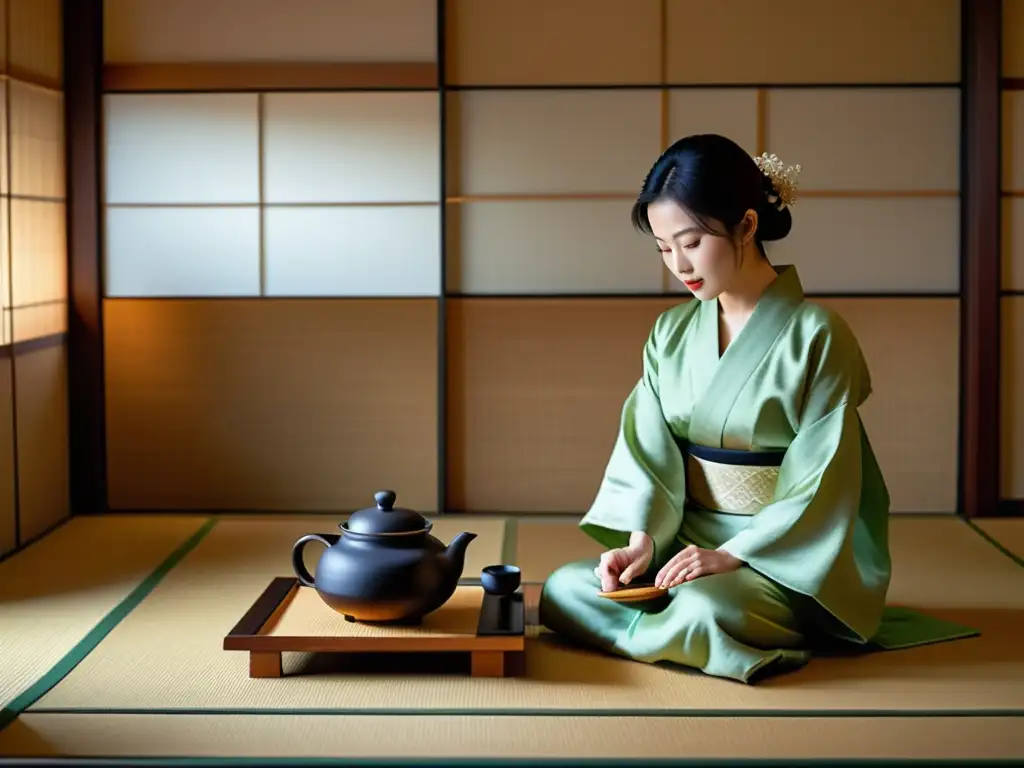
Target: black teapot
385,567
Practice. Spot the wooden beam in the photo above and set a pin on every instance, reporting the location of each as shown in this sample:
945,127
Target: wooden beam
83,60
980,258
269,76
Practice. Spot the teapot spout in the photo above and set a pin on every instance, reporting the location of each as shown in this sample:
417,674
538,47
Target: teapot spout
456,550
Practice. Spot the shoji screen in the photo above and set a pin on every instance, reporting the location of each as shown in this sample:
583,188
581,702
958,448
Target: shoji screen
274,255
1012,364
554,118
33,275
272,258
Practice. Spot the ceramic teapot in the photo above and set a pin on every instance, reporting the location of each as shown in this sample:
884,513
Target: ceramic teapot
385,567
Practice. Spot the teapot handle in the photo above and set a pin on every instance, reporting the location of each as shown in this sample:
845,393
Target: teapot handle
299,565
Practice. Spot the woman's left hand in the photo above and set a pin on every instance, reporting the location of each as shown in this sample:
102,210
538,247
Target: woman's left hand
694,562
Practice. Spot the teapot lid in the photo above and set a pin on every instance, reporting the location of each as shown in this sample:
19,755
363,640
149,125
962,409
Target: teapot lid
385,517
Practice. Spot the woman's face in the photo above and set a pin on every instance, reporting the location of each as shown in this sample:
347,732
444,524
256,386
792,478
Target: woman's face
704,263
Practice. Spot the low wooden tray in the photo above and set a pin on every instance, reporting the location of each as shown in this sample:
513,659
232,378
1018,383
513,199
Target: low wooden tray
291,617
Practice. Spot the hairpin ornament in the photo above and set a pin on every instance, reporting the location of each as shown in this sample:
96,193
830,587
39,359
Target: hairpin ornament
783,178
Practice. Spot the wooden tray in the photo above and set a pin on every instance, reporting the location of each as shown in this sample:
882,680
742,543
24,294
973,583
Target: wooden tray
291,617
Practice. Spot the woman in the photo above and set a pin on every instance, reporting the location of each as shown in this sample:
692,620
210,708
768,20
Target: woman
742,481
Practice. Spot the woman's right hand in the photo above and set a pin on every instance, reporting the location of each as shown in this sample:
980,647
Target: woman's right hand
620,566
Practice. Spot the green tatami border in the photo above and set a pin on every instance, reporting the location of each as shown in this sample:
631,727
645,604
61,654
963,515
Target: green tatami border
106,625
526,712
497,762
993,541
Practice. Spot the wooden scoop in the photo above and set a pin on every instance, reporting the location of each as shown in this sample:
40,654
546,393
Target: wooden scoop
634,593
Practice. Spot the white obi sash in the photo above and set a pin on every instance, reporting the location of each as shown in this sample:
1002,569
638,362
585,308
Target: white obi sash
731,481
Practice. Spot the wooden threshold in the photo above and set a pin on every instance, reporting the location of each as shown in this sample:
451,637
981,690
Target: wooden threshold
269,76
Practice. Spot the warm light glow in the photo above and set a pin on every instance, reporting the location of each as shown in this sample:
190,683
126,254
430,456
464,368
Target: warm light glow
37,141
33,232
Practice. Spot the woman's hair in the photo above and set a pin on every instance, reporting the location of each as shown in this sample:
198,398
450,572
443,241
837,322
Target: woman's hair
712,177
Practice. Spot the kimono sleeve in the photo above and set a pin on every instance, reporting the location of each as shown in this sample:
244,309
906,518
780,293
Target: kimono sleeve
824,534
644,483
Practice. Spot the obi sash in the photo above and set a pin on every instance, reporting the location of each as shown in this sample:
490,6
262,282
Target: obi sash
731,481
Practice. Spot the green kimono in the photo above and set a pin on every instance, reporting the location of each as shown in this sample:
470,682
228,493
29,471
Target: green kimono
759,452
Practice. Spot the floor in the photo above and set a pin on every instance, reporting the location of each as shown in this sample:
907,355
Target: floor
111,633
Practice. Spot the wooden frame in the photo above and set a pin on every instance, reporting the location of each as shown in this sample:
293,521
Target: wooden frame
86,78
269,76
495,649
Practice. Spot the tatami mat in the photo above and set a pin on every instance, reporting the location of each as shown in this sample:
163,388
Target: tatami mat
543,545
59,588
1008,532
581,738
167,654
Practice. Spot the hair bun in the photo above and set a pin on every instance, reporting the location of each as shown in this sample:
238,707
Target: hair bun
773,223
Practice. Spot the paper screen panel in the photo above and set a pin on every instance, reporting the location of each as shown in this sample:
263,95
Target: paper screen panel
550,42
868,139
278,405
351,147
182,251
1013,141
39,272
42,425
538,142
1013,38
561,246
144,31
181,148
536,390
1013,244
5,180
913,354
4,65
1012,385
37,141
7,509
39,321
730,112
874,245
6,296
794,41
35,40
353,251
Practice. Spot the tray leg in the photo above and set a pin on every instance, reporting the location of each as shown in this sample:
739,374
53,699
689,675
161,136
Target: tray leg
264,664
487,663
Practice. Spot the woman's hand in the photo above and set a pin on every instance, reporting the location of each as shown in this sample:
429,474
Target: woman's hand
622,565
694,562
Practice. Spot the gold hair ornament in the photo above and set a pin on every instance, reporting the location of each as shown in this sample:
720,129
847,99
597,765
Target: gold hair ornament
783,178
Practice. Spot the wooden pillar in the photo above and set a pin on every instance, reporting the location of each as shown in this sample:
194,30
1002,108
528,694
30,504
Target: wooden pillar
83,93
980,257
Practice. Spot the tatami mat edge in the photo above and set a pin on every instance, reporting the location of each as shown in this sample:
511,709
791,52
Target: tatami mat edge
95,636
1006,535
454,740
